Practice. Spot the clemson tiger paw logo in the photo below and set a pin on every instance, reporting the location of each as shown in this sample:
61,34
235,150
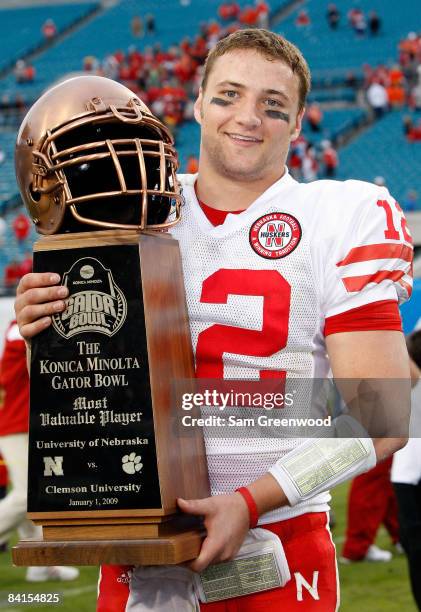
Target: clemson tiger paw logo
131,463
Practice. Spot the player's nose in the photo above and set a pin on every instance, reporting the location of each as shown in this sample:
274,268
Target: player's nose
247,114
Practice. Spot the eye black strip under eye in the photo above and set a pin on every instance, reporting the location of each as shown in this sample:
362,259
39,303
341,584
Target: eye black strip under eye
273,114
220,102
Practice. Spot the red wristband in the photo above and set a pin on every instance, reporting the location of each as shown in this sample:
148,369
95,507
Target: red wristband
251,505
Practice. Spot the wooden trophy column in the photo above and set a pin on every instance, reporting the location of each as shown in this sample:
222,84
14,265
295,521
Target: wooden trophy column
108,456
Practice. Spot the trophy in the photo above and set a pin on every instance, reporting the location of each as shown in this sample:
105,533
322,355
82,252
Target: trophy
97,173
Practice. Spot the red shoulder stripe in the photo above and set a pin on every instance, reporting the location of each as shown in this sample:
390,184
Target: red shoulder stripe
356,283
377,251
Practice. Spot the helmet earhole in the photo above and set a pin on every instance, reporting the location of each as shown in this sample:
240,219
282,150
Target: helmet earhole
35,195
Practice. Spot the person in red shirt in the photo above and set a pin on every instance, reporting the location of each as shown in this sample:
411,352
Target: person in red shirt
263,13
229,10
49,29
192,164
26,264
414,133
302,19
396,95
249,16
14,417
24,72
314,117
330,159
371,503
21,227
12,274
295,163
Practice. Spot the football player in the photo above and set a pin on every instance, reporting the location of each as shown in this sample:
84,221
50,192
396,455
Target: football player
283,280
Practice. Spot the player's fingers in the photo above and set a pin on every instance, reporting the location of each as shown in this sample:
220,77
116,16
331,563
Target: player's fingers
193,506
208,553
31,313
32,329
37,279
35,307
40,295
33,319
26,303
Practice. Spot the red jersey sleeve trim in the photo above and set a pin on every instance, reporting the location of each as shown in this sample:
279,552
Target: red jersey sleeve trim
383,315
357,283
370,252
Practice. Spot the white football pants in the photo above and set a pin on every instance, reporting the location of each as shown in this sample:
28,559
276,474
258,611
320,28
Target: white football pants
14,449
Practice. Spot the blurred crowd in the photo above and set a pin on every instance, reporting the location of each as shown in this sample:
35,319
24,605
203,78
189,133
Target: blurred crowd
21,263
361,23
398,86
168,80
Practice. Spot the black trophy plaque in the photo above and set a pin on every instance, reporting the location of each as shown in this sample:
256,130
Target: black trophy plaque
105,467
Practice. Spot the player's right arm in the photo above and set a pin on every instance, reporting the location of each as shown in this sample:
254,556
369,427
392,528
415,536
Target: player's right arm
38,297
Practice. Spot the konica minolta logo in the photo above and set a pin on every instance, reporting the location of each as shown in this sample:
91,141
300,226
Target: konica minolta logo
95,302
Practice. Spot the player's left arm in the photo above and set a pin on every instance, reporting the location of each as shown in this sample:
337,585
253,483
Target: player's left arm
377,358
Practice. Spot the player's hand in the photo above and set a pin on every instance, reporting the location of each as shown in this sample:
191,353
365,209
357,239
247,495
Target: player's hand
38,296
226,518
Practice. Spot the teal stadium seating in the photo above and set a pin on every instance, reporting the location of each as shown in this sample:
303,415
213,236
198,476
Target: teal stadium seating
382,150
110,31
332,53
21,27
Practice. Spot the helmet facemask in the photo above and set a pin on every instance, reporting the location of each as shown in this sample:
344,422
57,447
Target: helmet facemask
113,169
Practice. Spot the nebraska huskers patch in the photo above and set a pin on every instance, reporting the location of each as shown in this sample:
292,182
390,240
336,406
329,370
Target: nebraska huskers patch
275,235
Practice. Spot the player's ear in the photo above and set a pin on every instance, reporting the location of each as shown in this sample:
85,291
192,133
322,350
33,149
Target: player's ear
198,107
298,125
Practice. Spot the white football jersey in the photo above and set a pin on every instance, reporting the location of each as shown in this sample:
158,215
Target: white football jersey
260,286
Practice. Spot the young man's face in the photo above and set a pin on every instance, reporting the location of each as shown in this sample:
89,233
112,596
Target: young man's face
248,115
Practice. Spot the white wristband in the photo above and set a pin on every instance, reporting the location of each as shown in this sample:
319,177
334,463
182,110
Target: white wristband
322,463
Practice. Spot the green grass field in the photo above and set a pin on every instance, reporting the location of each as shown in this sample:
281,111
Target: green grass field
365,587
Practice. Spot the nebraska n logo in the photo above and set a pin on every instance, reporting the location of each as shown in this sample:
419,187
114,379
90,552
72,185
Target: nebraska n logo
301,582
53,465
275,234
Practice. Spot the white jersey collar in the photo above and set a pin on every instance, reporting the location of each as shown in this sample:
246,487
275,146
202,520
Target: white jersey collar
232,221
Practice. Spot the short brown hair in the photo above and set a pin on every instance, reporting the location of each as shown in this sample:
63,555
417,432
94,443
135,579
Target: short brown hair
272,46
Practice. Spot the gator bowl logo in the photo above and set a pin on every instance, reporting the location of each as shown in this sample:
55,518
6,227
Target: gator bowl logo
95,302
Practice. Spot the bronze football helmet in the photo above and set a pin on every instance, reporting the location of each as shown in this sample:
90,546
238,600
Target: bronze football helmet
90,153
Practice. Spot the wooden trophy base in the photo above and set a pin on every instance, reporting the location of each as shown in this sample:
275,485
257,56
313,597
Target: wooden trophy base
171,549
161,541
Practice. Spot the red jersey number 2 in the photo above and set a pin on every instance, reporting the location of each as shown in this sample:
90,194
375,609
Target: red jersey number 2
216,340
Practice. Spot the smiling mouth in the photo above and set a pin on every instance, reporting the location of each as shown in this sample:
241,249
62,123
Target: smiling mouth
243,138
